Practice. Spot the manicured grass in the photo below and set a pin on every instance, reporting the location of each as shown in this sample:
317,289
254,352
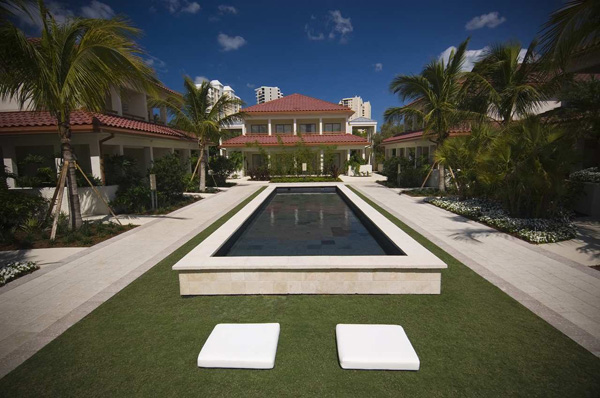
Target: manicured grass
473,340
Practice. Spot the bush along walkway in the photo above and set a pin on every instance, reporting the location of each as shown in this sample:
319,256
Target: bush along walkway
562,292
35,312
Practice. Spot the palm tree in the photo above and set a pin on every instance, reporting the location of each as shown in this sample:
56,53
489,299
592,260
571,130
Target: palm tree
570,29
504,86
436,98
71,66
196,113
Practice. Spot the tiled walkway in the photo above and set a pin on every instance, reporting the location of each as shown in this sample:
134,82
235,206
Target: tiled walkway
564,293
37,308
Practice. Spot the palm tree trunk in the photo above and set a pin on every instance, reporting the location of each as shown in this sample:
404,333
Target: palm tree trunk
202,172
442,177
67,154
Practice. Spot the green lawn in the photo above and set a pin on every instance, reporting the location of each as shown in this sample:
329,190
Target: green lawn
473,340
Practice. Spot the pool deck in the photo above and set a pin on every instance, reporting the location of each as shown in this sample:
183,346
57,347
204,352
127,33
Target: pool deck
559,290
37,308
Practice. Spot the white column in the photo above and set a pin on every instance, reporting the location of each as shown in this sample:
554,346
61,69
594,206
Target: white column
95,159
244,129
295,131
364,153
348,129
148,157
10,162
269,126
321,161
321,126
121,150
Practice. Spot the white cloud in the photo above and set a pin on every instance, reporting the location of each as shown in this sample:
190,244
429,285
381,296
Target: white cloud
191,8
332,26
342,26
98,10
225,9
490,20
181,6
378,67
230,43
200,79
250,85
158,64
472,56
95,9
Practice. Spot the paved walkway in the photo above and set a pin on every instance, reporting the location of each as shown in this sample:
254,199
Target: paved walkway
562,292
37,308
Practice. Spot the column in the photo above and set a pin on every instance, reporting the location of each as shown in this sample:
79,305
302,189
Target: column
121,150
95,159
322,161
10,162
347,171
186,154
295,130
244,129
364,153
348,129
148,158
321,127
269,126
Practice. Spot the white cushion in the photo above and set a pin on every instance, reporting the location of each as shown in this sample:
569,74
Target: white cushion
383,347
240,345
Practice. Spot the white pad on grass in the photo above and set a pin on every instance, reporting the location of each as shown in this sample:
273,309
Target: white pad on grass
381,347
241,346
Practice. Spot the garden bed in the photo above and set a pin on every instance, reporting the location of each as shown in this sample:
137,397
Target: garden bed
534,230
423,192
91,233
14,270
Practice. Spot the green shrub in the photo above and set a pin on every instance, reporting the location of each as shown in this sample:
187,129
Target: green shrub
16,209
221,168
170,174
305,179
121,170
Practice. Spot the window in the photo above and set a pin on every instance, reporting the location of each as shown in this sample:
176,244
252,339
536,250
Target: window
258,129
308,128
401,152
333,127
283,128
394,152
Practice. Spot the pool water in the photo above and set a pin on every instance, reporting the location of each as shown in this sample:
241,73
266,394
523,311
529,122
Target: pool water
308,223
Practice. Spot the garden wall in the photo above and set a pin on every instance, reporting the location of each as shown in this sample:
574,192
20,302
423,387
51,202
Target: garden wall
90,203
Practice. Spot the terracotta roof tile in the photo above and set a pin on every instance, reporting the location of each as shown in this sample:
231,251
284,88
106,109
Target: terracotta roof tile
309,139
414,135
83,118
297,103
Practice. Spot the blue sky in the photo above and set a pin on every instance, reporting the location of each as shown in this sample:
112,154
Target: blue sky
325,49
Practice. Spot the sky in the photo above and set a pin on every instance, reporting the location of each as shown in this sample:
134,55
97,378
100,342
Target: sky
324,49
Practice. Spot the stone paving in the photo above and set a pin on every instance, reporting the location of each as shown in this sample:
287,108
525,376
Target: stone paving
561,291
38,307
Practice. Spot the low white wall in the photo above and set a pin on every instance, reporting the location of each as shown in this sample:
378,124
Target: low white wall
90,203
589,201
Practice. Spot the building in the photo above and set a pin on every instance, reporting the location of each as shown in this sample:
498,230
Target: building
127,126
266,94
280,124
360,108
217,90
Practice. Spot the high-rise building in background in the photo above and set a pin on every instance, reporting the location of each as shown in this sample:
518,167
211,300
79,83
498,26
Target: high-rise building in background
360,108
217,90
266,94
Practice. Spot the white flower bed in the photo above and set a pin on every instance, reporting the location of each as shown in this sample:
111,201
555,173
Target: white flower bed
11,271
587,175
535,230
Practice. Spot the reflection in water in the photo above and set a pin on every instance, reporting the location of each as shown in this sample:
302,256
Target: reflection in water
304,224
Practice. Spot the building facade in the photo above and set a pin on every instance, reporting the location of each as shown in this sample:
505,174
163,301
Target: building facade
128,126
266,94
280,125
360,108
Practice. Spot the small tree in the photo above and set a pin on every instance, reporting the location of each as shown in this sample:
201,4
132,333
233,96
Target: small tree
196,113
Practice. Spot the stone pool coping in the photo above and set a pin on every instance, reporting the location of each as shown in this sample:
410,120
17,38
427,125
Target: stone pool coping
201,257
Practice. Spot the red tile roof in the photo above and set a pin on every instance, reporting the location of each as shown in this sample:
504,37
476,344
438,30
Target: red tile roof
20,119
289,140
297,103
417,135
